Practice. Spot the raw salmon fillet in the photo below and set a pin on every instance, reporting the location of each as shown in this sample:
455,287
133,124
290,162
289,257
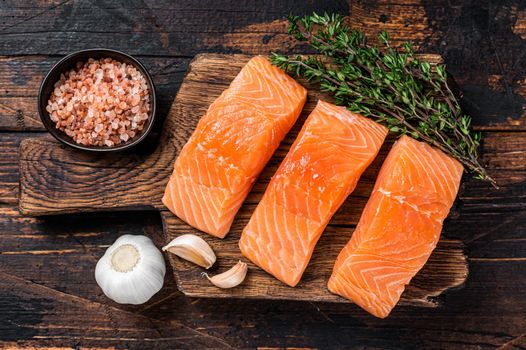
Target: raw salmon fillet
321,169
399,228
233,141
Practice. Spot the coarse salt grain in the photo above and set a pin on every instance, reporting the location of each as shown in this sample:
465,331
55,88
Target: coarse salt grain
100,103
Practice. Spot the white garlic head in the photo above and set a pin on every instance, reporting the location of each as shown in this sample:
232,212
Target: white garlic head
131,270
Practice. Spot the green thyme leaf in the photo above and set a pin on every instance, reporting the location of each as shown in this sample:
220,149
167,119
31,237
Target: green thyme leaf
406,94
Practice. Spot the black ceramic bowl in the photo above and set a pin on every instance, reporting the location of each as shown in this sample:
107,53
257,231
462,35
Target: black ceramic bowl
69,62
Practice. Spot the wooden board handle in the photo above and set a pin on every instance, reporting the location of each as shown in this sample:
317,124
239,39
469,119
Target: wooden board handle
54,179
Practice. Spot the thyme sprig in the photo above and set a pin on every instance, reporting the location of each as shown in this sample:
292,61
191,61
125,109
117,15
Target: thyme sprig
396,88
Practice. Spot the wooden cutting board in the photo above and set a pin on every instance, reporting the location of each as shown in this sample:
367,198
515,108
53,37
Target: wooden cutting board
55,179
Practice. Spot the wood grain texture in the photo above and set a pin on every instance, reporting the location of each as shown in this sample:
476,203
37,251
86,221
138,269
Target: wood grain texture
492,80
9,167
60,252
54,275
57,180
160,28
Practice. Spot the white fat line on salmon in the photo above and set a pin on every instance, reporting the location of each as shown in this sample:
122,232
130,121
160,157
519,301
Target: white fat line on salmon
401,200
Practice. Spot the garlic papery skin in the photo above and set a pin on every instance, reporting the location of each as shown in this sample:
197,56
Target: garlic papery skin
192,248
230,278
131,270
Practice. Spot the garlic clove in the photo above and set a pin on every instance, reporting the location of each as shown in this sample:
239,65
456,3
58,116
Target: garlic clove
192,248
131,270
230,278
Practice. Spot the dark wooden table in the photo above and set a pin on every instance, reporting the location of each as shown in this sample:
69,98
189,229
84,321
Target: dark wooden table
48,294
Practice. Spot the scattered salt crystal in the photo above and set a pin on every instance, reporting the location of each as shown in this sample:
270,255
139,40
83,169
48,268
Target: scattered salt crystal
135,100
124,137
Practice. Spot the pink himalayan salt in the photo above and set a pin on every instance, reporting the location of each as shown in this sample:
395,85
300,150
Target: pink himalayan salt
100,103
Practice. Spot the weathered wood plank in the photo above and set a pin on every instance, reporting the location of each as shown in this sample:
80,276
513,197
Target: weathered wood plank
65,321
494,88
462,319
482,46
504,153
38,249
49,287
86,181
9,165
164,28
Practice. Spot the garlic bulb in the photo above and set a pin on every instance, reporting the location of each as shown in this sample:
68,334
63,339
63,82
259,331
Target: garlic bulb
230,278
192,248
131,271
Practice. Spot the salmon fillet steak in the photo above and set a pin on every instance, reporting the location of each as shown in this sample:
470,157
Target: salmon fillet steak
399,227
231,145
321,169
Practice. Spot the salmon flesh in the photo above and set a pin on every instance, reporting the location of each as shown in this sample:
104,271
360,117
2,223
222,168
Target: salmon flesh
321,169
231,145
399,227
